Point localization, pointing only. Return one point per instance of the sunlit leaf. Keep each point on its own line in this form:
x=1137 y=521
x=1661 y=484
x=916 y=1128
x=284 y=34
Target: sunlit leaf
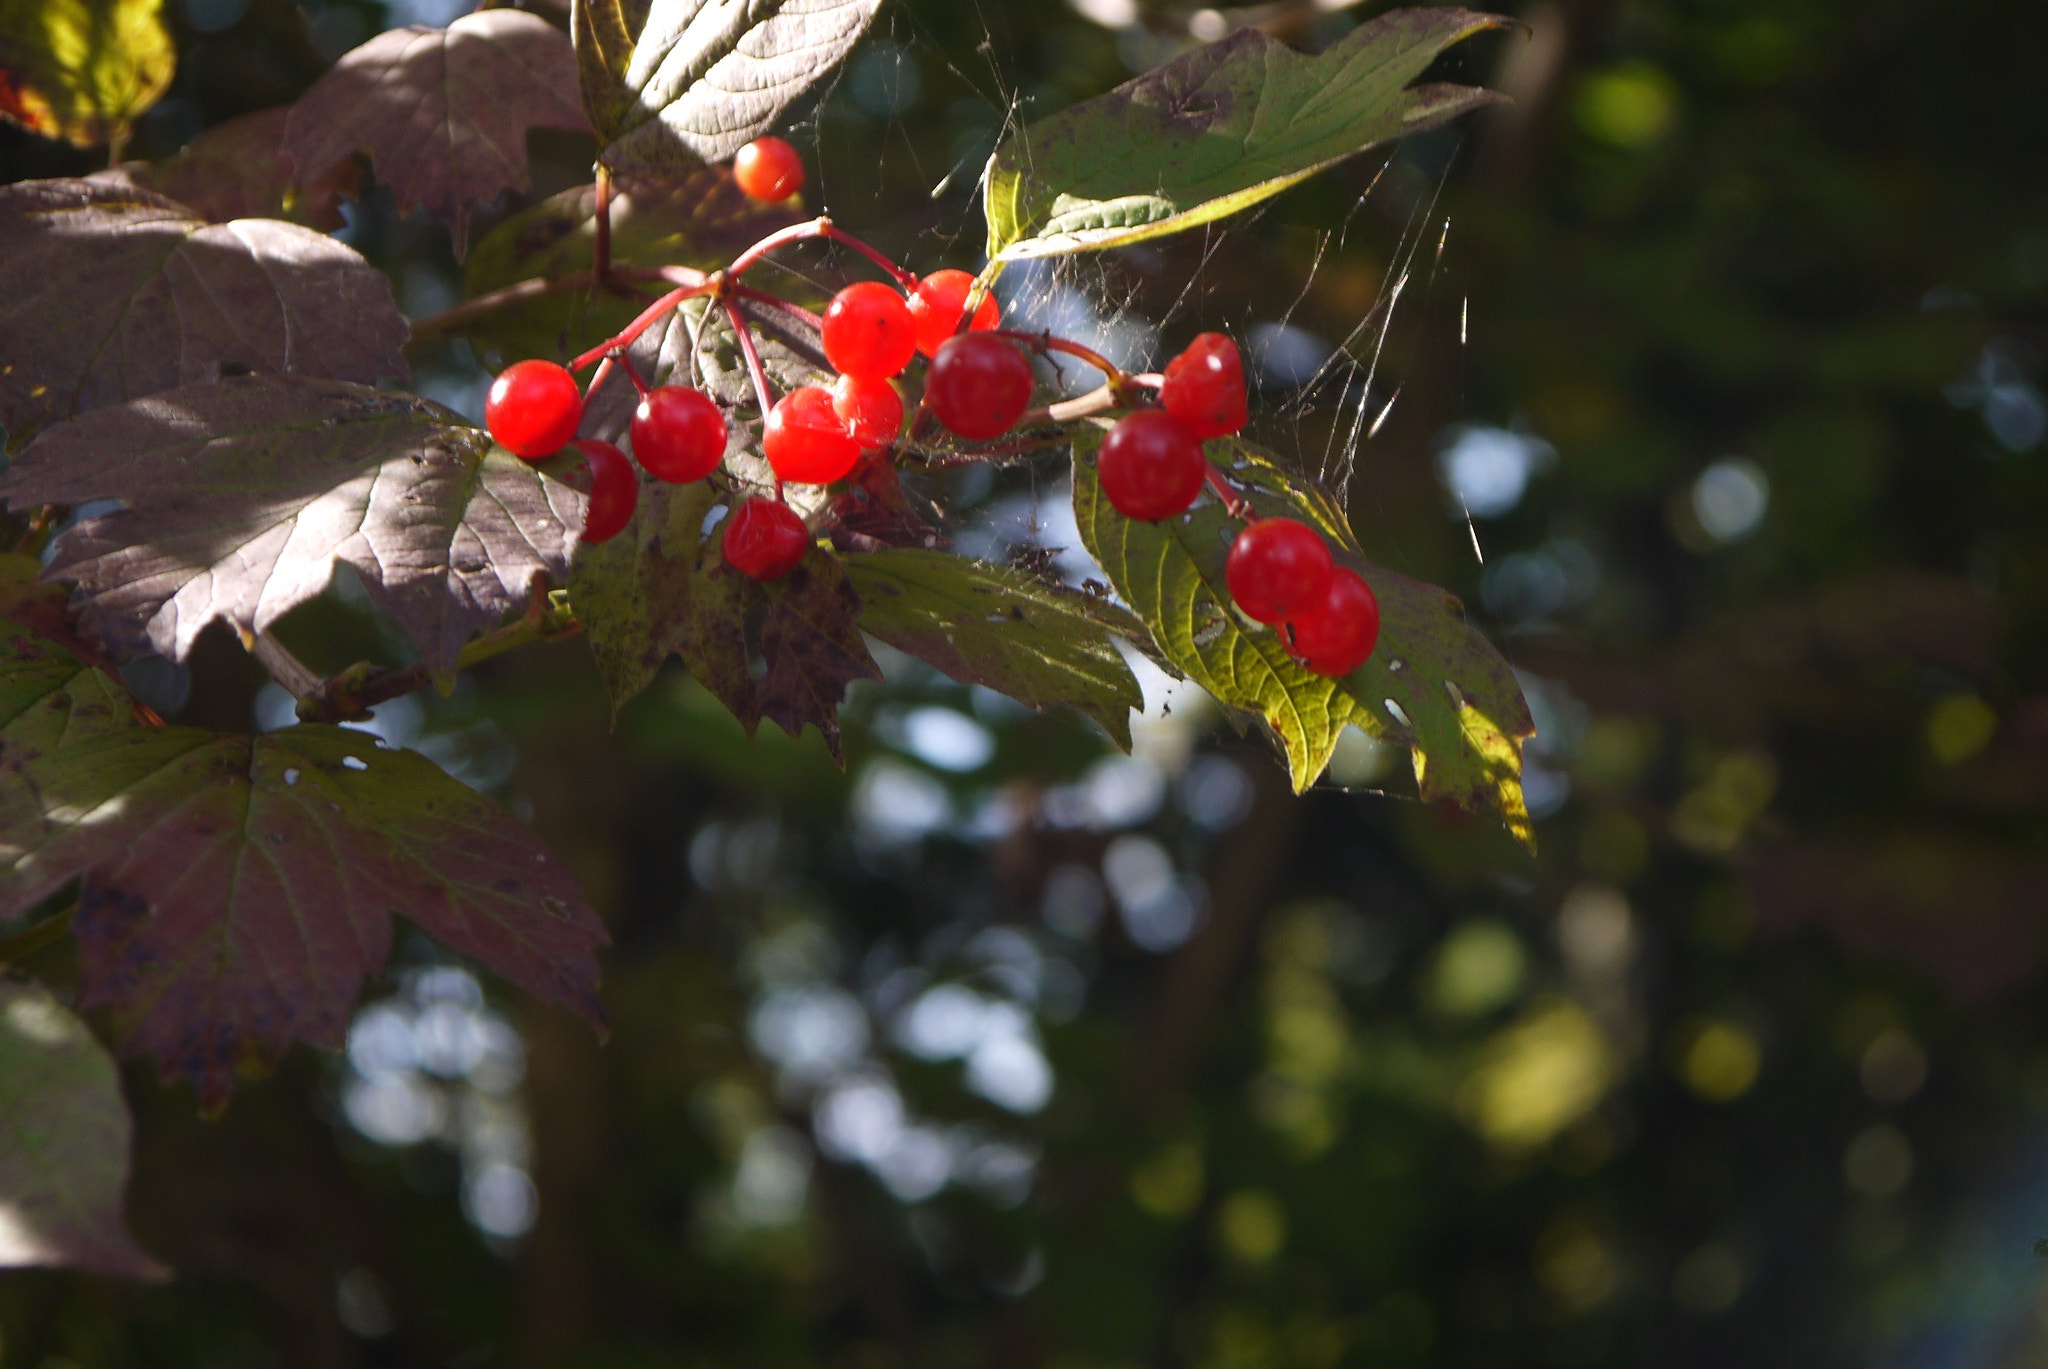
x=64 y=1150
x=49 y=698
x=1040 y=644
x=237 y=170
x=109 y=293
x=673 y=84
x=1433 y=684
x=1217 y=131
x=240 y=497
x=662 y=589
x=83 y=70
x=235 y=890
x=442 y=113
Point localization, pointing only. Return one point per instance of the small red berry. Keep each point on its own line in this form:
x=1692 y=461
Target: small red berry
x=614 y=488
x=868 y=331
x=764 y=540
x=533 y=409
x=938 y=302
x=1336 y=636
x=768 y=169
x=1151 y=467
x=1276 y=567
x=1205 y=386
x=678 y=434
x=978 y=386
x=871 y=410
x=805 y=439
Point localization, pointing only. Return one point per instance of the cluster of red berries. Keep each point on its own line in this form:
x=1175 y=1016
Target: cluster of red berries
x=978 y=385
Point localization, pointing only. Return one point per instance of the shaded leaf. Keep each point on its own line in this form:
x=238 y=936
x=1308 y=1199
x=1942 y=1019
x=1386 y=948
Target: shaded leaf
x=662 y=589
x=1040 y=644
x=240 y=496
x=83 y=70
x=64 y=1151
x=442 y=113
x=49 y=698
x=701 y=220
x=236 y=889
x=238 y=170
x=1217 y=131
x=1433 y=684
x=109 y=294
x=673 y=84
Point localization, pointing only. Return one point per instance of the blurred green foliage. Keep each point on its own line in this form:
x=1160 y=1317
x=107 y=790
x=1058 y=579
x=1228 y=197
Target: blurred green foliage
x=1000 y=1049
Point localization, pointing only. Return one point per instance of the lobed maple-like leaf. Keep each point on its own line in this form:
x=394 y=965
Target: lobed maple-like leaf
x=673 y=84
x=108 y=293
x=237 y=170
x=65 y=1146
x=235 y=890
x=442 y=113
x=662 y=589
x=1041 y=644
x=1433 y=684
x=83 y=70
x=49 y=698
x=239 y=498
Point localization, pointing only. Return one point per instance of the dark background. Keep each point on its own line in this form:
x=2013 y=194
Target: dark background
x=998 y=1049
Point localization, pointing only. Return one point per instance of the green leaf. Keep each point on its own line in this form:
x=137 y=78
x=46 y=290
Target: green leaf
x=235 y=890
x=671 y=85
x=1217 y=131
x=64 y=1150
x=1040 y=644
x=702 y=220
x=661 y=589
x=1433 y=684
x=49 y=698
x=83 y=70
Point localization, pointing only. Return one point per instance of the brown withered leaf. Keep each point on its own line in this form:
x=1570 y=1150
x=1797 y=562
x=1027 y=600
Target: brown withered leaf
x=662 y=589
x=442 y=113
x=235 y=890
x=237 y=170
x=109 y=293
x=239 y=498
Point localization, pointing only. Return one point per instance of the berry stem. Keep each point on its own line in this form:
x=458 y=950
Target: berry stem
x=649 y=316
x=762 y=390
x=1048 y=342
x=601 y=254
x=1234 y=503
x=820 y=227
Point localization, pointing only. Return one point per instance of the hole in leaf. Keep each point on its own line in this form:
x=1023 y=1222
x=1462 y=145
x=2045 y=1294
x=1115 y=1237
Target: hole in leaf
x=355 y=763
x=1400 y=714
x=1457 y=694
x=291 y=777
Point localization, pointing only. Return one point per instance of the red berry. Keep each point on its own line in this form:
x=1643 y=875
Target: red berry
x=768 y=169
x=868 y=332
x=805 y=439
x=1151 y=467
x=1205 y=386
x=1336 y=636
x=978 y=386
x=936 y=306
x=871 y=410
x=614 y=488
x=678 y=434
x=1276 y=567
x=764 y=540
x=533 y=409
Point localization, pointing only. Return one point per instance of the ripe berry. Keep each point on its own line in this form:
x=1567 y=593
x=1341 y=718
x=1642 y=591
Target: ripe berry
x=533 y=409
x=768 y=169
x=871 y=410
x=1336 y=636
x=1276 y=567
x=936 y=306
x=978 y=386
x=1205 y=386
x=764 y=540
x=805 y=439
x=1151 y=467
x=868 y=331
x=678 y=434
x=614 y=488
